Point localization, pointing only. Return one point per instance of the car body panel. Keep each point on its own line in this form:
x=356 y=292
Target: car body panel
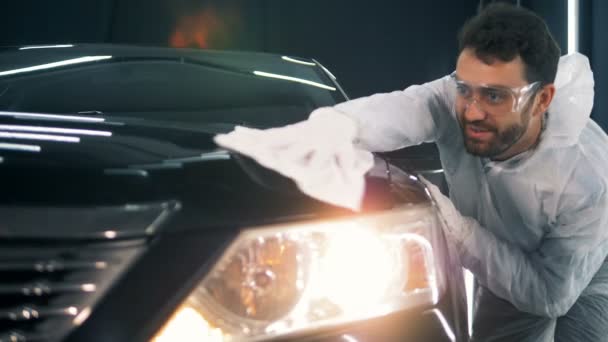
x=125 y=149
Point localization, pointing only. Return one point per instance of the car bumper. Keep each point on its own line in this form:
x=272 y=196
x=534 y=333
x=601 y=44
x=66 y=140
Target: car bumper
x=420 y=326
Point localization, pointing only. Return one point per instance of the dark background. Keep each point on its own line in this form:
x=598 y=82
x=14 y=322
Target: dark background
x=371 y=46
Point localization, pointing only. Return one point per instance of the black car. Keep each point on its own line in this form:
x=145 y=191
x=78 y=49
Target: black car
x=123 y=221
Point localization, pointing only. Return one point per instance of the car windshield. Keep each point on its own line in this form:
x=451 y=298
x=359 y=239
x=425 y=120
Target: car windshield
x=186 y=86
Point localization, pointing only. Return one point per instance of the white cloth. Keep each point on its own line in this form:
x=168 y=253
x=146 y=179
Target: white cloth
x=539 y=238
x=318 y=154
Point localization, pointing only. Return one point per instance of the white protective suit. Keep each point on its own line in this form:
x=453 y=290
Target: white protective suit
x=539 y=240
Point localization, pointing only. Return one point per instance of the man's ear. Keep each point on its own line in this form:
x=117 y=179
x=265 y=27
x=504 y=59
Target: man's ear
x=544 y=98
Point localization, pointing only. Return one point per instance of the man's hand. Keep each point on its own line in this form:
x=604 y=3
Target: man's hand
x=457 y=226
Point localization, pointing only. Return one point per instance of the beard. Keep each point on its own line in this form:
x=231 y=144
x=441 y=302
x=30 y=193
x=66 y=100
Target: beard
x=499 y=142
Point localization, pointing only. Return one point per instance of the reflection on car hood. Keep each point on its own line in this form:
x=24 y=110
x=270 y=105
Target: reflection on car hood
x=97 y=142
x=22 y=60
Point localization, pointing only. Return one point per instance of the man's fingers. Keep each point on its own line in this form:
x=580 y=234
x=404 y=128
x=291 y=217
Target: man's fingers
x=443 y=202
x=435 y=192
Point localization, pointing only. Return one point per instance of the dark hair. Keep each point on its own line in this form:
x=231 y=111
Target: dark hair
x=504 y=31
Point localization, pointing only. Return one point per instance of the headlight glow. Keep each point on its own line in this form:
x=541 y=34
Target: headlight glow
x=355 y=262
x=189 y=325
x=294 y=279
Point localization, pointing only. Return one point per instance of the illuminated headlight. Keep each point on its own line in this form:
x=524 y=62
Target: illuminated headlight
x=293 y=279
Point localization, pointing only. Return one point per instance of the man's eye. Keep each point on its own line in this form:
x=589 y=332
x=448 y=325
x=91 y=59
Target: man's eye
x=463 y=90
x=494 y=96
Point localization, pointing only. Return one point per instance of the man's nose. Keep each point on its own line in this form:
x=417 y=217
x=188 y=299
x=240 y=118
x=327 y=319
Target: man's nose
x=473 y=112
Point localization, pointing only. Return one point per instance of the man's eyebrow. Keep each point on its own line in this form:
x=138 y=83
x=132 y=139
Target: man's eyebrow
x=488 y=85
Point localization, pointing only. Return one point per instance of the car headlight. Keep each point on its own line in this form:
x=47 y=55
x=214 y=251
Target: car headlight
x=291 y=279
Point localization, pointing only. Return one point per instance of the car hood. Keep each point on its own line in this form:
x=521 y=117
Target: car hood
x=91 y=160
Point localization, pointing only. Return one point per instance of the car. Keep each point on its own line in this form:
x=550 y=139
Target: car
x=122 y=220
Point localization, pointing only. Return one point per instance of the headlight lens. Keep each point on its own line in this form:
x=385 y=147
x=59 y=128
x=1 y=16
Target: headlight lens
x=280 y=280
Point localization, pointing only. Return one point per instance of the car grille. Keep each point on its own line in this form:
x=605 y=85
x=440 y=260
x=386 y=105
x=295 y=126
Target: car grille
x=49 y=286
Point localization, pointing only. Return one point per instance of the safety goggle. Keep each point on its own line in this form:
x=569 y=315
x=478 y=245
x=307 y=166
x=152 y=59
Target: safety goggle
x=494 y=99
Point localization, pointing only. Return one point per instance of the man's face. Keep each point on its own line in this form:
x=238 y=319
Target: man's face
x=489 y=131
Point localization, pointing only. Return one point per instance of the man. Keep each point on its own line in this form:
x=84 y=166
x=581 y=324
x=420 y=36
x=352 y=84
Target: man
x=526 y=168
x=528 y=183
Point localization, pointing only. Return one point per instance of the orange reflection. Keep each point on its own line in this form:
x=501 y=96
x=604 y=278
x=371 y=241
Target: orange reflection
x=261 y=281
x=203 y=28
